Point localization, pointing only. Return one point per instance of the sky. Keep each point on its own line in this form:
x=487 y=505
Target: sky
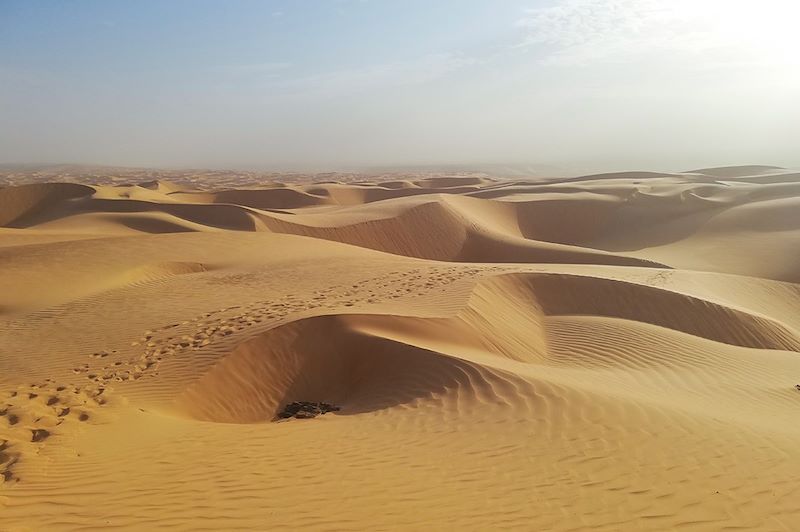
x=567 y=85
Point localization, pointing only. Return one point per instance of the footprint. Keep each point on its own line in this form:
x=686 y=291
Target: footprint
x=38 y=435
x=7 y=460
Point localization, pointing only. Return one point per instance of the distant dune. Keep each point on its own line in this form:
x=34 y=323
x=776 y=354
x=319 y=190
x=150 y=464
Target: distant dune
x=614 y=351
x=738 y=171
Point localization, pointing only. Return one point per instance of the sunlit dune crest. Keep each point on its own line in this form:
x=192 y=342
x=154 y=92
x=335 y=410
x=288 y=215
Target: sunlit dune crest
x=405 y=351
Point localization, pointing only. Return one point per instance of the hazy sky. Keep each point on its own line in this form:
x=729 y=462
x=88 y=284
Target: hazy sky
x=581 y=84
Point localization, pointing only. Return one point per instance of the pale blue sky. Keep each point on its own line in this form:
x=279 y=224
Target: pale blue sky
x=580 y=84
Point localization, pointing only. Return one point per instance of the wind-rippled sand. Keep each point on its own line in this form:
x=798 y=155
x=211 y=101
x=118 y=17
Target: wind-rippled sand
x=616 y=352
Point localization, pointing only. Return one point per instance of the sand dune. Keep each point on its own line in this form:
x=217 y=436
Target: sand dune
x=738 y=171
x=615 y=351
x=28 y=200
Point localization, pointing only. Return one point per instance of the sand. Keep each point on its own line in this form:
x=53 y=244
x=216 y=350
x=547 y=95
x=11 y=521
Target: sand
x=617 y=351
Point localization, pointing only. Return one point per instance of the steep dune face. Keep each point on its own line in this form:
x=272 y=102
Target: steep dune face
x=16 y=203
x=365 y=363
x=451 y=228
x=616 y=351
x=153 y=217
x=275 y=198
x=327 y=359
x=577 y=295
x=426 y=231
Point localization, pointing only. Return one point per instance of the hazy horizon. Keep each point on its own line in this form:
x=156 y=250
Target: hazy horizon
x=575 y=86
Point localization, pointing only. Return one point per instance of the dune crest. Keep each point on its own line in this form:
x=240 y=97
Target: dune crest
x=614 y=351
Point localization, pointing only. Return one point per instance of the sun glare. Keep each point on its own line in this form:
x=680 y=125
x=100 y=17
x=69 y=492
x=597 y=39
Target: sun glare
x=764 y=33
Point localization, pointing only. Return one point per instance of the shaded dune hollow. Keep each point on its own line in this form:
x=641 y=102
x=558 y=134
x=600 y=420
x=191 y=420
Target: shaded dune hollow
x=369 y=362
x=326 y=359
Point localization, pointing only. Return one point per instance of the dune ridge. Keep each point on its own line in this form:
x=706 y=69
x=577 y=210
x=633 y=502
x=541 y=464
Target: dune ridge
x=615 y=351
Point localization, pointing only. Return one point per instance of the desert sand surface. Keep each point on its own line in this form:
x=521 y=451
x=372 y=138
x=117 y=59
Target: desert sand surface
x=615 y=351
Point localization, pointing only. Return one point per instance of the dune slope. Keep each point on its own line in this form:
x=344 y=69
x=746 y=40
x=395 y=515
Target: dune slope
x=616 y=351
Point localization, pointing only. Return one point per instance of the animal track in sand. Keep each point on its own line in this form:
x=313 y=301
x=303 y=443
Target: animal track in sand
x=32 y=413
x=8 y=459
x=32 y=417
x=212 y=326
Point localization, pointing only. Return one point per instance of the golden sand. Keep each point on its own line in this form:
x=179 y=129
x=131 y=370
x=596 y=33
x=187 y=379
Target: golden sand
x=617 y=352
